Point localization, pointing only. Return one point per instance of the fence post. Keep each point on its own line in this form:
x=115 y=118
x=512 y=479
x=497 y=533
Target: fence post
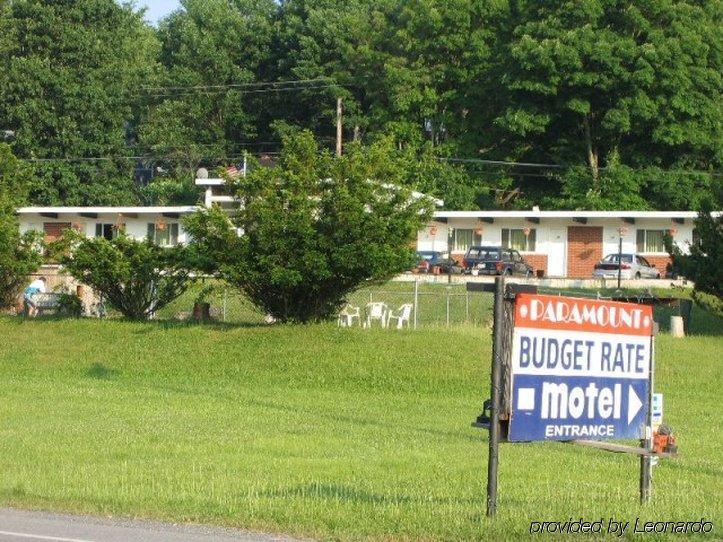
x=224 y=304
x=466 y=306
x=416 y=301
x=447 y=306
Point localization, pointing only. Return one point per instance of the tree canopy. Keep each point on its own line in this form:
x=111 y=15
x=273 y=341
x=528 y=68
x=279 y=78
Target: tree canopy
x=619 y=87
x=594 y=104
x=68 y=90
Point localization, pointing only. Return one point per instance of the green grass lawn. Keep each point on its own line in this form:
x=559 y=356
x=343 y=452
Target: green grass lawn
x=318 y=431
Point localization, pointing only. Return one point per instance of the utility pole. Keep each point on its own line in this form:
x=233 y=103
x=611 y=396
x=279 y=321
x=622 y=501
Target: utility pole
x=338 y=126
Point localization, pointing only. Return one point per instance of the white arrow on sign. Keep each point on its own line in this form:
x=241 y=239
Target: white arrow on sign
x=634 y=404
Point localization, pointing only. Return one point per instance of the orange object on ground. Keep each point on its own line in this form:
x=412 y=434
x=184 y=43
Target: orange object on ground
x=664 y=441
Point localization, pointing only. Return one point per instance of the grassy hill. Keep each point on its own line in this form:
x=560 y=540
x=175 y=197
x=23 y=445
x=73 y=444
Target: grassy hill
x=318 y=431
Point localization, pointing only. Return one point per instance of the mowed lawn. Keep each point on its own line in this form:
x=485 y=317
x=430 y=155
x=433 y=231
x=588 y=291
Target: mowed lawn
x=318 y=431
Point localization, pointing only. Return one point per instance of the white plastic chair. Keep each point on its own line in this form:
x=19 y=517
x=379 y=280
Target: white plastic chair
x=376 y=311
x=347 y=315
x=402 y=316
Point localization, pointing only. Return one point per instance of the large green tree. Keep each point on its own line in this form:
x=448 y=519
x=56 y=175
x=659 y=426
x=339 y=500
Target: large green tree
x=71 y=72
x=609 y=83
x=413 y=69
x=204 y=110
x=313 y=229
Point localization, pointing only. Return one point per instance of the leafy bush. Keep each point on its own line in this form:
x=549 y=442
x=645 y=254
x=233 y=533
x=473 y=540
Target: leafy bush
x=704 y=264
x=711 y=303
x=70 y=305
x=315 y=228
x=135 y=277
x=19 y=253
x=19 y=257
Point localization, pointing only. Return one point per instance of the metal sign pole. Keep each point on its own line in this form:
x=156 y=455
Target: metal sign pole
x=646 y=461
x=494 y=441
x=620 y=258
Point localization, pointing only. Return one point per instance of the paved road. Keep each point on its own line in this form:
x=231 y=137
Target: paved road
x=26 y=526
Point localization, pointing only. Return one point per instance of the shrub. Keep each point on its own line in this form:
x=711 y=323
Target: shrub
x=711 y=303
x=136 y=277
x=19 y=257
x=19 y=253
x=70 y=305
x=704 y=262
x=315 y=228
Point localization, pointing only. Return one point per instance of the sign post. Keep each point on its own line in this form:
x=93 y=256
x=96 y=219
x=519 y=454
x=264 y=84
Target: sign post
x=574 y=370
x=494 y=442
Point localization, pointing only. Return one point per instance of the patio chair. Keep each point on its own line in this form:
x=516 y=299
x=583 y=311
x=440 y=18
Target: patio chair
x=376 y=311
x=347 y=315
x=402 y=316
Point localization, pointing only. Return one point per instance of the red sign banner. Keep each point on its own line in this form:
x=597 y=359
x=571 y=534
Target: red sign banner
x=578 y=314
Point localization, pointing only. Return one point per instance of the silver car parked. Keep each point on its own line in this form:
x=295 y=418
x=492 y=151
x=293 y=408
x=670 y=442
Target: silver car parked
x=633 y=266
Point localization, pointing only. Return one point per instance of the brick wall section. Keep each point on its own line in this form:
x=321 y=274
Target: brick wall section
x=660 y=262
x=584 y=250
x=537 y=261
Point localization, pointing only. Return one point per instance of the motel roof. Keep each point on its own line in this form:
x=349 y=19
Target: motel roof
x=438 y=215
x=537 y=214
x=174 y=210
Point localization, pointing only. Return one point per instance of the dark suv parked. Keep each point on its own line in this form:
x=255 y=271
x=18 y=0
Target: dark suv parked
x=496 y=261
x=429 y=259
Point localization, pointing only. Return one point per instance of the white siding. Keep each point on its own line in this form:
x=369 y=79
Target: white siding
x=551 y=235
x=427 y=241
x=134 y=227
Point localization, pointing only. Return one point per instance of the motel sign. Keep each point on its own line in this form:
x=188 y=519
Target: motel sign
x=580 y=369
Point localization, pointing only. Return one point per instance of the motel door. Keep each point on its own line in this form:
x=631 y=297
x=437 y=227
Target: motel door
x=556 y=252
x=584 y=250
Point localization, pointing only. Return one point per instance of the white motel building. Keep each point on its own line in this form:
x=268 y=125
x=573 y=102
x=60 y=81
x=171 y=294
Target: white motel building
x=555 y=243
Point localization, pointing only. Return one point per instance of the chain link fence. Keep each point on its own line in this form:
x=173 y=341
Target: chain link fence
x=433 y=304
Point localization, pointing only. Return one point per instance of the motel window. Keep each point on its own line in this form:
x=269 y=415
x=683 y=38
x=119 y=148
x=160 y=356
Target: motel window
x=460 y=239
x=516 y=239
x=651 y=240
x=108 y=231
x=164 y=235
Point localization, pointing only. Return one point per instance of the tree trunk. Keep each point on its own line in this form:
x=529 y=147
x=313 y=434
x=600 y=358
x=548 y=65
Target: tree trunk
x=592 y=153
x=202 y=312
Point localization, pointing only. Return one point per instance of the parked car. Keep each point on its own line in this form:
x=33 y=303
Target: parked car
x=496 y=261
x=429 y=259
x=633 y=266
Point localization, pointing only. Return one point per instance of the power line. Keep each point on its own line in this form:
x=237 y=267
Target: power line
x=147 y=157
x=511 y=163
x=244 y=85
x=502 y=163
x=276 y=152
x=210 y=92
